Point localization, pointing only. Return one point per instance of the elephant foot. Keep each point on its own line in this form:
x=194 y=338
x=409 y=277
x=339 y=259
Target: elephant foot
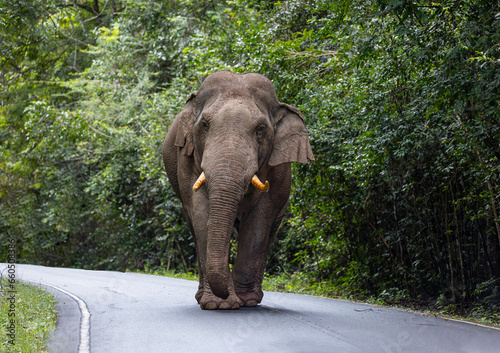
x=251 y=298
x=209 y=301
x=199 y=294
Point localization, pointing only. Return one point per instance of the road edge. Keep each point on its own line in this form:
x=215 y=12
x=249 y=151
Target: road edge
x=84 y=337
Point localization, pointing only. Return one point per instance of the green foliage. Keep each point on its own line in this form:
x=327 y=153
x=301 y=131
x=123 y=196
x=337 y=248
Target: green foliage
x=400 y=99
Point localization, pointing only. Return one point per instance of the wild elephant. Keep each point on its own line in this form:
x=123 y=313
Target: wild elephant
x=232 y=135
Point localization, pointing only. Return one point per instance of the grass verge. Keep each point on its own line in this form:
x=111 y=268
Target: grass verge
x=34 y=314
x=192 y=276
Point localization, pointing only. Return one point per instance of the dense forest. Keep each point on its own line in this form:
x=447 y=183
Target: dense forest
x=401 y=99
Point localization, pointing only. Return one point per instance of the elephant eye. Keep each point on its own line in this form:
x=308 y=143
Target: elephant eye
x=261 y=132
x=204 y=125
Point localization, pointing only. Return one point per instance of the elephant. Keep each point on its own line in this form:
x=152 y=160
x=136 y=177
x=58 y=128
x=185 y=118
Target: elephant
x=232 y=134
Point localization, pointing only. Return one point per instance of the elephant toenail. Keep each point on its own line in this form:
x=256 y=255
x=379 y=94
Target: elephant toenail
x=251 y=302
x=210 y=306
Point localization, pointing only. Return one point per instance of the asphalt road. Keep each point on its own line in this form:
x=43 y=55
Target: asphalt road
x=102 y=311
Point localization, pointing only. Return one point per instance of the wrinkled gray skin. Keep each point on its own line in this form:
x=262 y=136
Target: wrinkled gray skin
x=232 y=128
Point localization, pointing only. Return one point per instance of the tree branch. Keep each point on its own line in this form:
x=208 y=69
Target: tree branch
x=80 y=18
x=99 y=14
x=83 y=7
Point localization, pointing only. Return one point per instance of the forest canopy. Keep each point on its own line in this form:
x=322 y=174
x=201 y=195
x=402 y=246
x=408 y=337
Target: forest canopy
x=400 y=99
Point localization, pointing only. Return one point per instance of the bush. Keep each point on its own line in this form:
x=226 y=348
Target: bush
x=399 y=98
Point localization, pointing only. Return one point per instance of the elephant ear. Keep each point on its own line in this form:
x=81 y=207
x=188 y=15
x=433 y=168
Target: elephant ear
x=291 y=143
x=184 y=136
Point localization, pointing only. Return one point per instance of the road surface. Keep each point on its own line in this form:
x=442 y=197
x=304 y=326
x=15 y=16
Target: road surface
x=103 y=311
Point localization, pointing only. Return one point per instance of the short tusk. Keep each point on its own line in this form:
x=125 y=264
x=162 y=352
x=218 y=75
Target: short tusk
x=258 y=184
x=199 y=182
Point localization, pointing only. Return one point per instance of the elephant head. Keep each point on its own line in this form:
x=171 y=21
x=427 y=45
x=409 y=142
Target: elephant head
x=235 y=130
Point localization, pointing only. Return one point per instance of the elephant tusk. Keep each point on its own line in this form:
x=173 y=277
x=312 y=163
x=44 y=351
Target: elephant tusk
x=258 y=184
x=199 y=182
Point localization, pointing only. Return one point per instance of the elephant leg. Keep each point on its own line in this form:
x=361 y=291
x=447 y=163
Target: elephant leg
x=200 y=258
x=197 y=218
x=255 y=237
x=256 y=234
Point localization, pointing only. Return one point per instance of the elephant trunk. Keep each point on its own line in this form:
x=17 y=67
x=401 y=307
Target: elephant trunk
x=225 y=194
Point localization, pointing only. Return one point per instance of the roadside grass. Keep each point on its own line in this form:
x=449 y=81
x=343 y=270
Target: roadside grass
x=191 y=275
x=303 y=283
x=35 y=315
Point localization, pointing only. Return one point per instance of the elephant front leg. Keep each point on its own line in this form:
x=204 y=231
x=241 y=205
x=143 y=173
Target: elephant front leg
x=255 y=237
x=197 y=218
x=248 y=269
x=208 y=301
x=205 y=296
x=200 y=245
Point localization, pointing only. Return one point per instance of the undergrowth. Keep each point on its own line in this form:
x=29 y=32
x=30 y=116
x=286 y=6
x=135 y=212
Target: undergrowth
x=301 y=283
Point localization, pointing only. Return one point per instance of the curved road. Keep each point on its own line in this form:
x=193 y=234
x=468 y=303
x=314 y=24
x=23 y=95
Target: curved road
x=102 y=311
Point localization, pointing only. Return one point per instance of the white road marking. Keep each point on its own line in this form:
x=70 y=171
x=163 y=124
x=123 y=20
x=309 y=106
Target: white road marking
x=84 y=346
